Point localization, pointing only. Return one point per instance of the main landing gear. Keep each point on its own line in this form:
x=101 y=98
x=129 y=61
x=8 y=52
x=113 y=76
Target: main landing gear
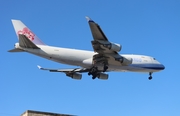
x=94 y=71
x=150 y=76
x=105 y=68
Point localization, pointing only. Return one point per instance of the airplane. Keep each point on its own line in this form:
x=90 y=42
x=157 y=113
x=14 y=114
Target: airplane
x=97 y=63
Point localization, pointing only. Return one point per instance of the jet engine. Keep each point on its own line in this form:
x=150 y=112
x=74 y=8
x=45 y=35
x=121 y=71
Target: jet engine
x=76 y=76
x=124 y=60
x=113 y=46
x=103 y=76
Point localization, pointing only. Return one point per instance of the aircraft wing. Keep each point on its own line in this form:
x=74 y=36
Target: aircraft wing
x=80 y=70
x=100 y=43
x=106 y=50
x=73 y=73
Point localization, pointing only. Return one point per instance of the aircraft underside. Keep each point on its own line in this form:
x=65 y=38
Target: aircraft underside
x=98 y=70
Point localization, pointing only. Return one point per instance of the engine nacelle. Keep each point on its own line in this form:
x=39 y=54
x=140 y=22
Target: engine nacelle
x=124 y=60
x=113 y=46
x=103 y=76
x=76 y=76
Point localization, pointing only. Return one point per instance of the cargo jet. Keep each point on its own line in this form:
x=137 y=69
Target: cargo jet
x=97 y=63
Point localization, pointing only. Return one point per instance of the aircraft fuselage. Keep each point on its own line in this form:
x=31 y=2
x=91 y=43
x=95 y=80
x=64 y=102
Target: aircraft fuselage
x=83 y=58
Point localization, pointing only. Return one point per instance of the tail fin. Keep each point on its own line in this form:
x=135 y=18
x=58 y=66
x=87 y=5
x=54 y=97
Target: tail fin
x=22 y=29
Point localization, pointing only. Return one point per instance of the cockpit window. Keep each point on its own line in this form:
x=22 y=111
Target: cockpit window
x=154 y=58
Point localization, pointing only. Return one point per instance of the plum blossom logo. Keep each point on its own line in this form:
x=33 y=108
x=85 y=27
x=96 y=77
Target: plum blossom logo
x=28 y=33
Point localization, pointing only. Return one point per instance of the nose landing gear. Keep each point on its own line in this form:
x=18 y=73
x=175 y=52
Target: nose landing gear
x=150 y=76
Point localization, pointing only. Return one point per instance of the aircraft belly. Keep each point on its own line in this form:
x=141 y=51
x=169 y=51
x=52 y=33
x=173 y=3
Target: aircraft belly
x=129 y=68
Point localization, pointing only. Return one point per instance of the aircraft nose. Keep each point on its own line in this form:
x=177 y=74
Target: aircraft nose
x=162 y=67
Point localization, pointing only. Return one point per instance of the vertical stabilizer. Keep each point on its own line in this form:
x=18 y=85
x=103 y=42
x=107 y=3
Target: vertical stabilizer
x=22 y=29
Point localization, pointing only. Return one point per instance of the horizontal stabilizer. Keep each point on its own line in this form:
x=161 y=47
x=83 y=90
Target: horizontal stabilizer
x=26 y=43
x=16 y=50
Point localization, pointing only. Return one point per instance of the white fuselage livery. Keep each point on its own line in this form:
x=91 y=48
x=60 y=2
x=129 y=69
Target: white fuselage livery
x=83 y=58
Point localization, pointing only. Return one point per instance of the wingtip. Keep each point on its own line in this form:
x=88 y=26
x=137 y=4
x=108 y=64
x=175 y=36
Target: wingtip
x=89 y=19
x=39 y=67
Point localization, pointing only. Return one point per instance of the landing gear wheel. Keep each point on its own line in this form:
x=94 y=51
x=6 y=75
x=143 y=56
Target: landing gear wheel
x=150 y=75
x=150 y=78
x=93 y=77
x=89 y=73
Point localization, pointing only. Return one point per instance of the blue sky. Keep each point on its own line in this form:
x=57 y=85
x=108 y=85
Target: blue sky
x=149 y=27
